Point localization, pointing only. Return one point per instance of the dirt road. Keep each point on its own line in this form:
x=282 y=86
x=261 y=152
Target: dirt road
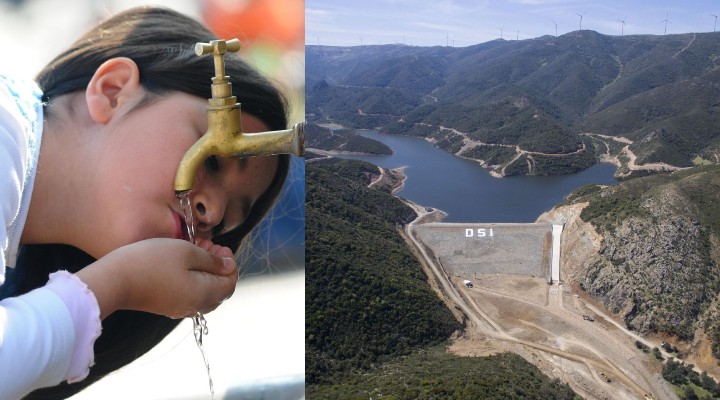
x=539 y=321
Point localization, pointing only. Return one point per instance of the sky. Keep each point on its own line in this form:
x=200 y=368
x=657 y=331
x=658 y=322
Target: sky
x=462 y=23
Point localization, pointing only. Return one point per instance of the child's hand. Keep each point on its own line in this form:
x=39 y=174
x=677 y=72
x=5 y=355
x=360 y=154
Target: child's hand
x=170 y=277
x=214 y=248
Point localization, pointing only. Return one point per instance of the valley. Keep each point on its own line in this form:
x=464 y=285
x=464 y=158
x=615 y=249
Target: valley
x=635 y=312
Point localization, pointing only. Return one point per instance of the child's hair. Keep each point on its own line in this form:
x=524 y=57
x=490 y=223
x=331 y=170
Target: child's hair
x=161 y=42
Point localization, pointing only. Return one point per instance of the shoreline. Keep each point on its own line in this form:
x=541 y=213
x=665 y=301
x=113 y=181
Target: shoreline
x=396 y=178
x=424 y=214
x=403 y=178
x=492 y=169
x=331 y=153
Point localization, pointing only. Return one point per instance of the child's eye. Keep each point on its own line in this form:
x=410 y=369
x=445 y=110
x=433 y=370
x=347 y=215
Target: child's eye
x=212 y=163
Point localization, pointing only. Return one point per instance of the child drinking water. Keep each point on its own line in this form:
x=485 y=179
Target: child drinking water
x=95 y=269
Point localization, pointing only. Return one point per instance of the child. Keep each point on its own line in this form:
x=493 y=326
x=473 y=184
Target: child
x=87 y=162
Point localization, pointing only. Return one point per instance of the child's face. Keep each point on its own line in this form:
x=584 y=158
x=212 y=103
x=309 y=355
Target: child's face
x=137 y=171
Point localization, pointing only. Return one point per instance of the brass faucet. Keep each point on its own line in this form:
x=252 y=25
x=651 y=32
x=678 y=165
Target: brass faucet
x=224 y=136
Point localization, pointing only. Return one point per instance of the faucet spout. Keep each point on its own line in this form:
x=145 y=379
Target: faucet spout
x=288 y=141
x=224 y=136
x=225 y=143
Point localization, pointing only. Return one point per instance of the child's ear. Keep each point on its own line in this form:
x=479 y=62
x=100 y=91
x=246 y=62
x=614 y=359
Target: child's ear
x=115 y=83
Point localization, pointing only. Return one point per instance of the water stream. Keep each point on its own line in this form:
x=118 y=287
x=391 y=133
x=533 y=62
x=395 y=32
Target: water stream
x=199 y=323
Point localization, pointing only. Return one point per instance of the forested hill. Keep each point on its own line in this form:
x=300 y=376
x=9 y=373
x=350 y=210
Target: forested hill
x=344 y=140
x=531 y=98
x=366 y=296
x=374 y=327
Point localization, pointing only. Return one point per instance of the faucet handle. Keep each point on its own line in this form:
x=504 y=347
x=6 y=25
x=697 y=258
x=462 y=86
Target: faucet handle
x=217 y=47
x=221 y=87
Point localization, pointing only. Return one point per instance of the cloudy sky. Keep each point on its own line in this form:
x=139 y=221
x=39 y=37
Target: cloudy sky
x=467 y=22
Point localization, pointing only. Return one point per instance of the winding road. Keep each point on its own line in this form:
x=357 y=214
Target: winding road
x=605 y=353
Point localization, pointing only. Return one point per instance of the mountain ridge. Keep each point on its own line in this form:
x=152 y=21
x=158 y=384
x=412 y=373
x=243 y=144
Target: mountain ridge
x=659 y=92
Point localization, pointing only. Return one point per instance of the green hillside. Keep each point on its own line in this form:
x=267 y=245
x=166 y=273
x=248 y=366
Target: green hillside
x=348 y=140
x=432 y=373
x=661 y=92
x=366 y=296
x=373 y=325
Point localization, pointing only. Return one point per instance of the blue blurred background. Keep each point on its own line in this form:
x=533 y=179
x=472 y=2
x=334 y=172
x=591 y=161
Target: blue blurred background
x=280 y=241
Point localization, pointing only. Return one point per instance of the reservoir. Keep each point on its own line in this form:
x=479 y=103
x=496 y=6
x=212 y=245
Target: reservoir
x=466 y=191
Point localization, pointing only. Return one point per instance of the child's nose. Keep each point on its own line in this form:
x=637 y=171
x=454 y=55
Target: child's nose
x=208 y=211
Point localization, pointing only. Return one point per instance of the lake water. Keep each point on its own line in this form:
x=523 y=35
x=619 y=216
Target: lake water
x=467 y=192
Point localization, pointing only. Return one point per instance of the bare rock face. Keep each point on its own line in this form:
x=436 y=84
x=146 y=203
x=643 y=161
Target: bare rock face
x=653 y=267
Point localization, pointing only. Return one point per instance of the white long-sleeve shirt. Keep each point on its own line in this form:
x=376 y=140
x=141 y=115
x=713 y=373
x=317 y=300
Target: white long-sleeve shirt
x=47 y=335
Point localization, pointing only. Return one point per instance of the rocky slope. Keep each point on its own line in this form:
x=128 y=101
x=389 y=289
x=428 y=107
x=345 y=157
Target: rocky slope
x=648 y=250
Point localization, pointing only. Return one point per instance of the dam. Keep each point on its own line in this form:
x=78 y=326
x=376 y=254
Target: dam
x=471 y=249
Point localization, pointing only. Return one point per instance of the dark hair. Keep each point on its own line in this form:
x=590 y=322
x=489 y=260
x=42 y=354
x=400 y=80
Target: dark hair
x=161 y=42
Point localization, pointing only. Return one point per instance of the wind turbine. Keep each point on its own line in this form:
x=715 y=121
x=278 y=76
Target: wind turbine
x=555 y=28
x=517 y=37
x=622 y=30
x=666 y=20
x=714 y=26
x=580 y=21
x=501 y=33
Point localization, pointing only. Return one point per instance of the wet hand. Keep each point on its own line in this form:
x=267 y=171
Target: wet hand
x=163 y=276
x=213 y=248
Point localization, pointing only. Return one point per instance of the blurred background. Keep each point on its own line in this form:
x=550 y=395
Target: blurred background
x=256 y=341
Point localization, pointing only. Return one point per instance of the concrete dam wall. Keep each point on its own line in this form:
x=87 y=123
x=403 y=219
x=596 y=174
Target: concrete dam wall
x=468 y=249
